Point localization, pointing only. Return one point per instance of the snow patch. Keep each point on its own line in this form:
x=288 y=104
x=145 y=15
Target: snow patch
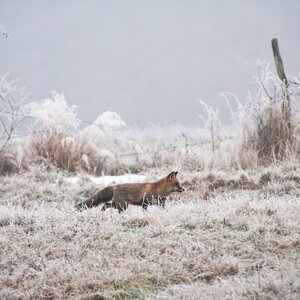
x=108 y=180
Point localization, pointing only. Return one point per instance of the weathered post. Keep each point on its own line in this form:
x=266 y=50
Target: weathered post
x=286 y=105
x=278 y=61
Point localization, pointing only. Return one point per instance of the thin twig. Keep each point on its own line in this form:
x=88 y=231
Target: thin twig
x=294 y=82
x=265 y=89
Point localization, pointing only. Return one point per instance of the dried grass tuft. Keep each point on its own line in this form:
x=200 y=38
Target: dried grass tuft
x=136 y=222
x=268 y=122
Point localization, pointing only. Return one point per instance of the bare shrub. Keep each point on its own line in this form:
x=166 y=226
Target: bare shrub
x=213 y=125
x=13 y=117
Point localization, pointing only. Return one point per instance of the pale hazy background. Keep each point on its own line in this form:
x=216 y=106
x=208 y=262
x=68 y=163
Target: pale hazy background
x=149 y=61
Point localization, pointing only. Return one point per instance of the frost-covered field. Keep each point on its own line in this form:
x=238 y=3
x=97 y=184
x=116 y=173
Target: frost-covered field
x=229 y=236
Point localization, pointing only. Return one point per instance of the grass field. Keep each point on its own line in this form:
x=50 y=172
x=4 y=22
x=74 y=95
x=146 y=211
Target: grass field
x=229 y=236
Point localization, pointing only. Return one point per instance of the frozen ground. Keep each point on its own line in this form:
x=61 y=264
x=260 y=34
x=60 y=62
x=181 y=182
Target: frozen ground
x=229 y=236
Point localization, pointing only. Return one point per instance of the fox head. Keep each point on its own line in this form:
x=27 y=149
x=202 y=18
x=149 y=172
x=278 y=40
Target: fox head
x=173 y=183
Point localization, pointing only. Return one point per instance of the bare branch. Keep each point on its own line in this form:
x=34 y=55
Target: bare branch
x=265 y=89
x=4 y=127
x=294 y=82
x=4 y=31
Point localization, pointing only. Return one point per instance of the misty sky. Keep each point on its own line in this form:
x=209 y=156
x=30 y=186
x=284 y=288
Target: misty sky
x=149 y=61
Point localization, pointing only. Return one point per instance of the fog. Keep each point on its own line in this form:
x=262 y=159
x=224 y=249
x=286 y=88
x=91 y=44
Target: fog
x=149 y=61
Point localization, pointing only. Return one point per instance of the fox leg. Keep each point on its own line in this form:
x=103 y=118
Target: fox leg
x=162 y=202
x=120 y=206
x=145 y=205
x=107 y=205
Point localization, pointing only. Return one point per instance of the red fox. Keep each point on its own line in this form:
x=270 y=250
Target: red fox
x=143 y=194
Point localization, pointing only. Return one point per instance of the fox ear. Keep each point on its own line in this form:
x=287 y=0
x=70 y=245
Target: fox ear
x=176 y=173
x=171 y=175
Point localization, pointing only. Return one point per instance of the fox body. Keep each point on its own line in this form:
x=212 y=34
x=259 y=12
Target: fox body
x=143 y=194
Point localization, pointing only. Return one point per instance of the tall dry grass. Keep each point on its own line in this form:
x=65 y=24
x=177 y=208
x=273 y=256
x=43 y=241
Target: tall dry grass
x=74 y=154
x=268 y=122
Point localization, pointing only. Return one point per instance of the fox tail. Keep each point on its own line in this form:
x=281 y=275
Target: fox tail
x=100 y=197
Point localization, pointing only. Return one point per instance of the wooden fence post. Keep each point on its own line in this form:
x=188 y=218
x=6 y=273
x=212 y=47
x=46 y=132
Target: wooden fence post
x=286 y=105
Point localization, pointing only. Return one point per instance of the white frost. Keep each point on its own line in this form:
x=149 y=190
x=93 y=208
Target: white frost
x=108 y=180
x=107 y=121
x=110 y=120
x=106 y=155
x=55 y=114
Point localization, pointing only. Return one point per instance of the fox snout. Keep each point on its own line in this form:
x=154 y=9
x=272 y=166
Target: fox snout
x=180 y=189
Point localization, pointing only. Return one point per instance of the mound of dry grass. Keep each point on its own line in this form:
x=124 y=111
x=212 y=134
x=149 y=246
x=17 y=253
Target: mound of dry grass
x=273 y=138
x=8 y=163
x=209 y=184
x=59 y=150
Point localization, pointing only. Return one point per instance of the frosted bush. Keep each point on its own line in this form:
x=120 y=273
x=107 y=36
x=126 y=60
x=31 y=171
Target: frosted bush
x=110 y=120
x=134 y=146
x=107 y=121
x=91 y=132
x=55 y=115
x=53 y=143
x=106 y=155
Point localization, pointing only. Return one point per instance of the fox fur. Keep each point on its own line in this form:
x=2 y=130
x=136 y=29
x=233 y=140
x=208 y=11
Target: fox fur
x=142 y=194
